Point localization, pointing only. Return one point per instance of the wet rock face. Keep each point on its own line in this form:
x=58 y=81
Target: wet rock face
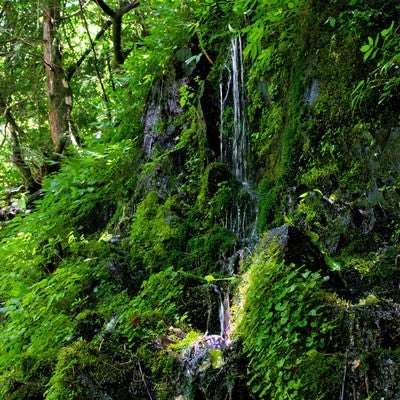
x=162 y=107
x=197 y=357
x=297 y=248
x=213 y=368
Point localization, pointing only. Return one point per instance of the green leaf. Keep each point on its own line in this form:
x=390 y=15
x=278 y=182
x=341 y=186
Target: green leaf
x=365 y=48
x=367 y=54
x=331 y=21
x=386 y=32
x=195 y=58
x=231 y=29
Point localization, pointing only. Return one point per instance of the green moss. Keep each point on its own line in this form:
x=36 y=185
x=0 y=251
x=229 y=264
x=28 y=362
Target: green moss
x=155 y=233
x=85 y=371
x=270 y=212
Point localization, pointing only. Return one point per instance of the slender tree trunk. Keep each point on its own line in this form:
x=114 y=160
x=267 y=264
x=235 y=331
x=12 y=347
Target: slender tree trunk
x=30 y=183
x=58 y=90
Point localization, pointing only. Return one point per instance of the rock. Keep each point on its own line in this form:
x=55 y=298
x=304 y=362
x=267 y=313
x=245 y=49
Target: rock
x=296 y=248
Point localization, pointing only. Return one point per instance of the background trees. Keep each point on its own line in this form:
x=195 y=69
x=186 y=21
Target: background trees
x=72 y=44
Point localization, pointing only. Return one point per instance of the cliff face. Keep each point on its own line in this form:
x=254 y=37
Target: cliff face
x=296 y=129
x=245 y=244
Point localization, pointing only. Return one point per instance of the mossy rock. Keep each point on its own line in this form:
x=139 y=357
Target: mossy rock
x=292 y=246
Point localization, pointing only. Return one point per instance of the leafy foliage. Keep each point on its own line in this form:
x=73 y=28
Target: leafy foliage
x=284 y=331
x=384 y=79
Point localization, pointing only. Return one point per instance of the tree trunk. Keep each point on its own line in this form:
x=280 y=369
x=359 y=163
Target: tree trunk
x=58 y=90
x=30 y=183
x=116 y=17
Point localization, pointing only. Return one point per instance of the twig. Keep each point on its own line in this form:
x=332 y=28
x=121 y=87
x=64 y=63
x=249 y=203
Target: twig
x=77 y=11
x=344 y=376
x=144 y=381
x=203 y=50
x=96 y=67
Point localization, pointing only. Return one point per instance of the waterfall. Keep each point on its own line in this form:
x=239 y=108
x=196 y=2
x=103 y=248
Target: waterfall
x=223 y=311
x=222 y=101
x=233 y=141
x=239 y=133
x=233 y=144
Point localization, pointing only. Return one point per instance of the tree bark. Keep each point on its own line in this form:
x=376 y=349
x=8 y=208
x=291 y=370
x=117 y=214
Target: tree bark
x=58 y=90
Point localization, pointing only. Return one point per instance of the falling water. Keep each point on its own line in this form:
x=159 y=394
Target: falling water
x=223 y=311
x=239 y=134
x=234 y=146
x=223 y=97
x=311 y=93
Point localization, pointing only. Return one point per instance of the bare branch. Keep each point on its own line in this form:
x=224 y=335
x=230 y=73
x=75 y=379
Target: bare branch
x=127 y=8
x=17 y=157
x=4 y=9
x=106 y=8
x=95 y=61
x=76 y=12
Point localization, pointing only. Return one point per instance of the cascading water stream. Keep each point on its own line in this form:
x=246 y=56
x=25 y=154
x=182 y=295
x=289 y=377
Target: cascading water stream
x=234 y=151
x=239 y=133
x=223 y=97
x=234 y=145
x=240 y=217
x=223 y=311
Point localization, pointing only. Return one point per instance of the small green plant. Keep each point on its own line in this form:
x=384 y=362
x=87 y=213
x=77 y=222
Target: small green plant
x=384 y=49
x=282 y=324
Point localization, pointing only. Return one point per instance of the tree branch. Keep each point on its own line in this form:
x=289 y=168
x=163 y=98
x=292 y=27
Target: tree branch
x=105 y=8
x=117 y=39
x=4 y=9
x=77 y=11
x=96 y=63
x=127 y=8
x=116 y=17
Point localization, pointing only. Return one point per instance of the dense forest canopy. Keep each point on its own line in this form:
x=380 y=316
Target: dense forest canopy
x=199 y=199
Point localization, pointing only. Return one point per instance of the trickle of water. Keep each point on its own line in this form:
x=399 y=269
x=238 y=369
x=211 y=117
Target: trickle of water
x=239 y=134
x=234 y=145
x=223 y=97
x=223 y=311
x=312 y=92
